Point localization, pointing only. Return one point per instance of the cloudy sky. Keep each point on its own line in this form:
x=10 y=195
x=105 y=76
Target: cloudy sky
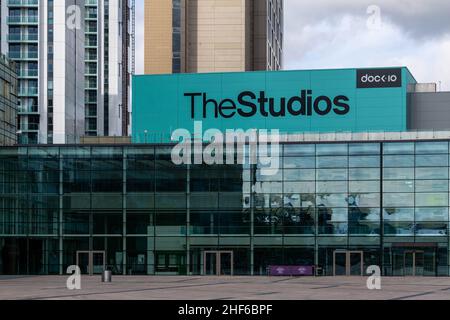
x=361 y=33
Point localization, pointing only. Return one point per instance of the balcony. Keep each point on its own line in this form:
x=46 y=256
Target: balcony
x=90 y=44
x=90 y=100
x=28 y=73
x=23 y=3
x=28 y=92
x=90 y=87
x=31 y=37
x=90 y=57
x=90 y=3
x=90 y=72
x=23 y=20
x=91 y=30
x=29 y=127
x=90 y=16
x=18 y=55
x=33 y=109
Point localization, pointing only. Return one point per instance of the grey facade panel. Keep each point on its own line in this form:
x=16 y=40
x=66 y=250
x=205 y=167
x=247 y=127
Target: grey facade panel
x=429 y=111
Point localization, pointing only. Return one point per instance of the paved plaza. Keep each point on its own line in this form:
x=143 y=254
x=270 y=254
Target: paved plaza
x=222 y=288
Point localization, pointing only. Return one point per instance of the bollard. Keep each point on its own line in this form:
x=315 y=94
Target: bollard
x=107 y=276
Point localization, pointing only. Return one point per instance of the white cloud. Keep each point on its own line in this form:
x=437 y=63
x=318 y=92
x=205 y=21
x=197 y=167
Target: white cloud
x=344 y=40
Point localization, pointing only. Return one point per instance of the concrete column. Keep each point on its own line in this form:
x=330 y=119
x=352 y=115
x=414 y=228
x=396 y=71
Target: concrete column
x=188 y=219
x=61 y=203
x=124 y=212
x=252 y=223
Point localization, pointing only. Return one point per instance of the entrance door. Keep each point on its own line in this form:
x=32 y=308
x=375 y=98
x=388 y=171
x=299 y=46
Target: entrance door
x=348 y=263
x=91 y=262
x=218 y=263
x=413 y=262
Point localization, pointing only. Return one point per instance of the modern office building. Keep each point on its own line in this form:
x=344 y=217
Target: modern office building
x=69 y=60
x=195 y=36
x=8 y=102
x=373 y=192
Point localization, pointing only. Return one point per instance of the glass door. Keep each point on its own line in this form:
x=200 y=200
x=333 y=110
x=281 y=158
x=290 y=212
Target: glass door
x=226 y=263
x=210 y=263
x=355 y=263
x=429 y=263
x=83 y=261
x=218 y=263
x=340 y=263
x=411 y=263
x=414 y=263
x=398 y=264
x=348 y=263
x=408 y=264
x=91 y=262
x=419 y=263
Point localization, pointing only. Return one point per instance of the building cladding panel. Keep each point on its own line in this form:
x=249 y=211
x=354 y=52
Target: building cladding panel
x=8 y=102
x=60 y=35
x=279 y=100
x=387 y=200
x=429 y=111
x=216 y=36
x=158 y=36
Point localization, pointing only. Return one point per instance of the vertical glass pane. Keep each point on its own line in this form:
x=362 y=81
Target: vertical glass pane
x=409 y=263
x=340 y=263
x=225 y=264
x=211 y=264
x=97 y=262
x=398 y=260
x=398 y=148
x=419 y=263
x=355 y=263
x=429 y=263
x=83 y=262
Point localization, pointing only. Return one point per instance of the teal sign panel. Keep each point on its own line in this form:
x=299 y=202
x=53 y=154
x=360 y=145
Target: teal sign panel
x=340 y=100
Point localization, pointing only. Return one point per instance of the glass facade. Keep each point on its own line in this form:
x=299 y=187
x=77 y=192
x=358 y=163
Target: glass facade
x=8 y=102
x=275 y=25
x=337 y=206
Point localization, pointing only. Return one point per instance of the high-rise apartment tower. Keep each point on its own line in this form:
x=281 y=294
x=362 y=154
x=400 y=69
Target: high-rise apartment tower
x=213 y=35
x=71 y=67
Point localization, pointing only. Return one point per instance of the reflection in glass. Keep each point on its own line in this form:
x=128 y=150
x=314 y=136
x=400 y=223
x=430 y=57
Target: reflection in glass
x=431 y=173
x=364 y=148
x=398 y=148
x=431 y=199
x=398 y=161
x=364 y=162
x=398 y=173
x=364 y=174
x=398 y=199
x=440 y=160
x=398 y=214
x=332 y=174
x=431 y=147
x=398 y=186
x=432 y=214
x=299 y=162
x=332 y=162
x=336 y=149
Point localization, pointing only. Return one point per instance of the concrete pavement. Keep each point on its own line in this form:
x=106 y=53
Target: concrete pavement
x=223 y=288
